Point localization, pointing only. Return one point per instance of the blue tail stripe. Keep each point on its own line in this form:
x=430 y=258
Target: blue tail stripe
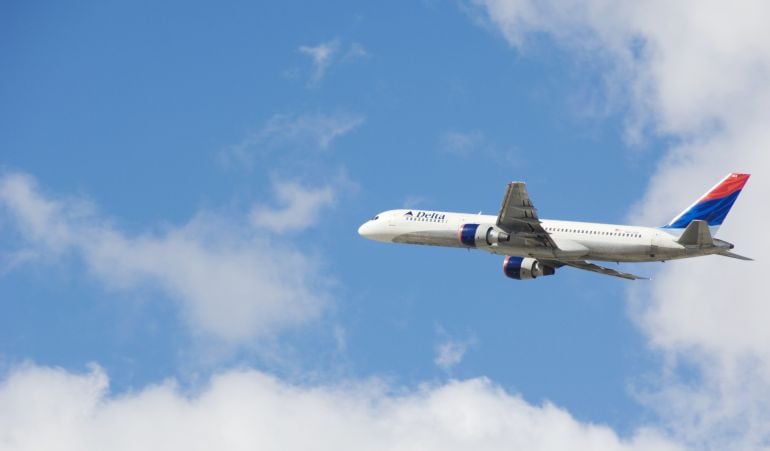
x=712 y=211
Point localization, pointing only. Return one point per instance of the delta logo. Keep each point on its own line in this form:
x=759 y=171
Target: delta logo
x=424 y=215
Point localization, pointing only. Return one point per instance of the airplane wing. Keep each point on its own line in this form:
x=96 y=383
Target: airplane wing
x=519 y=217
x=595 y=268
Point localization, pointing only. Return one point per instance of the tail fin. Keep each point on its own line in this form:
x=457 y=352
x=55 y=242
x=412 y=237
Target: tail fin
x=713 y=206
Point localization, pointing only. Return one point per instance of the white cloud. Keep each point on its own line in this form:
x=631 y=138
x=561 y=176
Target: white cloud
x=230 y=283
x=474 y=144
x=324 y=54
x=298 y=131
x=462 y=143
x=13 y=259
x=340 y=336
x=47 y=408
x=698 y=71
x=301 y=207
x=356 y=50
x=321 y=56
x=319 y=129
x=450 y=353
x=413 y=201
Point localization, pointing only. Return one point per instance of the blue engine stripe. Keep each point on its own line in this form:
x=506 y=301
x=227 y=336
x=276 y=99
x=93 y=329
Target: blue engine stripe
x=712 y=211
x=468 y=234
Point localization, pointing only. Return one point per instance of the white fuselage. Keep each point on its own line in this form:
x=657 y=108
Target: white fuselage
x=574 y=240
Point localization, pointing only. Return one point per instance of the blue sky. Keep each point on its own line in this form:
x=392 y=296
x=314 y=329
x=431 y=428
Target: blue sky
x=149 y=137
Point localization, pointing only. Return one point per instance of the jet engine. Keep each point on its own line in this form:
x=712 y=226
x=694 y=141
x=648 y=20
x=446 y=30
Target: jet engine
x=481 y=235
x=521 y=268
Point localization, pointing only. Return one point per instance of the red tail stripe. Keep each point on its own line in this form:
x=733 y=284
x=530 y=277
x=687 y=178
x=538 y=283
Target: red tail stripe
x=731 y=184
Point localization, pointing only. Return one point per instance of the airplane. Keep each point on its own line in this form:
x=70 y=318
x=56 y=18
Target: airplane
x=535 y=247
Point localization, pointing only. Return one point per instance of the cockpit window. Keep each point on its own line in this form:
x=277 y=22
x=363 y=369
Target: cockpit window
x=376 y=218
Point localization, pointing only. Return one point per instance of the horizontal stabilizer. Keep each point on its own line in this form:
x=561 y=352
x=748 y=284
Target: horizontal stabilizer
x=696 y=234
x=734 y=255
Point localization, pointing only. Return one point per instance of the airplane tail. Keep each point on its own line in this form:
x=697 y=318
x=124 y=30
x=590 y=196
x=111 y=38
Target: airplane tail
x=713 y=206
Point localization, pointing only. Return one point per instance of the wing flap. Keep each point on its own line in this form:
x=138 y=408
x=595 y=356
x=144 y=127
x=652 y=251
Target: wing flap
x=586 y=266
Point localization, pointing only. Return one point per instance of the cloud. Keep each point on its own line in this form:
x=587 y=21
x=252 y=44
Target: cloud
x=356 y=50
x=319 y=129
x=301 y=207
x=230 y=283
x=413 y=201
x=324 y=54
x=461 y=143
x=297 y=131
x=696 y=71
x=49 y=408
x=321 y=57
x=451 y=352
x=473 y=144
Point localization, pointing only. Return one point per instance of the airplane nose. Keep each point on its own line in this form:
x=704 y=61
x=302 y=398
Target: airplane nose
x=373 y=230
x=364 y=229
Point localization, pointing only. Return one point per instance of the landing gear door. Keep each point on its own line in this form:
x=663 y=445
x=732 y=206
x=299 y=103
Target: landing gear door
x=653 y=246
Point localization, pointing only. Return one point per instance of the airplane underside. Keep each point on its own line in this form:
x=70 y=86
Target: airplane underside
x=607 y=253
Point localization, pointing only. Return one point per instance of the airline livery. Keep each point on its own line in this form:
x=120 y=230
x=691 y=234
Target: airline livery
x=536 y=247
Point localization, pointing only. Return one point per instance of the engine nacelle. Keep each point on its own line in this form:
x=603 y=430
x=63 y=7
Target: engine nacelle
x=481 y=235
x=521 y=268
